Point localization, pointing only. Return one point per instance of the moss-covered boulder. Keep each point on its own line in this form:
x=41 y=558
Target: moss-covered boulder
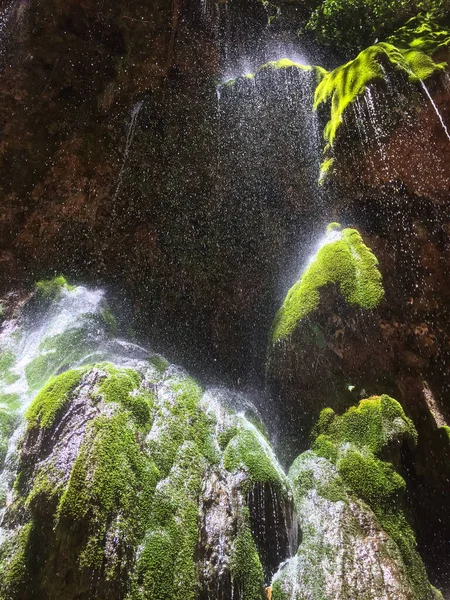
x=343 y=260
x=357 y=541
x=121 y=475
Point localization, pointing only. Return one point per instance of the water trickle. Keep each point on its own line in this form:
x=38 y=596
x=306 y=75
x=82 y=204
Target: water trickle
x=130 y=136
x=436 y=109
x=11 y=17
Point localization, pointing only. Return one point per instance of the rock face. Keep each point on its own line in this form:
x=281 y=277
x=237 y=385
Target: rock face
x=122 y=164
x=340 y=352
x=112 y=138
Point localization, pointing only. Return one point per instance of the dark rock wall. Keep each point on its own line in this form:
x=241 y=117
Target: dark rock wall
x=117 y=166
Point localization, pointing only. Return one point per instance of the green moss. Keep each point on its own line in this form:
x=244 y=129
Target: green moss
x=343 y=85
x=325 y=169
x=56 y=353
x=128 y=511
x=10 y=402
x=8 y=422
x=121 y=386
x=284 y=63
x=422 y=32
x=50 y=289
x=437 y=594
x=383 y=489
x=14 y=558
x=277 y=65
x=47 y=486
x=110 y=476
x=346 y=262
x=109 y=321
x=52 y=398
x=355 y=442
x=181 y=419
x=372 y=425
x=225 y=437
x=245 y=566
x=249 y=451
x=324 y=447
x=166 y=568
x=7 y=362
x=446 y=430
x=159 y=362
x=304 y=476
x=374 y=481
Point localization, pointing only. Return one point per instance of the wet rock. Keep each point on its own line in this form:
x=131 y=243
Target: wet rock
x=351 y=506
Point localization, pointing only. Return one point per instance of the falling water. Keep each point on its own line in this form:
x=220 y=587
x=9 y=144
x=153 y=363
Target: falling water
x=10 y=17
x=73 y=330
x=130 y=136
x=436 y=110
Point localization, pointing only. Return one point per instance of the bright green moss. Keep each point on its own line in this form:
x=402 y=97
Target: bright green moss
x=181 y=445
x=226 y=436
x=278 y=65
x=8 y=422
x=423 y=33
x=374 y=481
x=109 y=320
x=304 y=476
x=52 y=398
x=343 y=85
x=372 y=425
x=50 y=289
x=9 y=402
x=55 y=354
x=47 y=486
x=14 y=557
x=166 y=568
x=355 y=442
x=181 y=419
x=110 y=477
x=246 y=452
x=446 y=430
x=121 y=386
x=346 y=262
x=283 y=63
x=159 y=362
x=383 y=489
x=246 y=569
x=437 y=594
x=351 y=26
x=325 y=169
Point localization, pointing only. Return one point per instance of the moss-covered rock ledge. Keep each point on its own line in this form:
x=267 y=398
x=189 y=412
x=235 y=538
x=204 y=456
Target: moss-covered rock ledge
x=357 y=541
x=343 y=260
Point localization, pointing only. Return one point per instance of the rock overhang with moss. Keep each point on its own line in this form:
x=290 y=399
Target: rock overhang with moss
x=342 y=260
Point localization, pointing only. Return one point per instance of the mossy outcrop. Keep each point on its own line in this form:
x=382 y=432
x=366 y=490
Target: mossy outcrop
x=112 y=472
x=342 y=86
x=49 y=290
x=343 y=260
x=351 y=503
